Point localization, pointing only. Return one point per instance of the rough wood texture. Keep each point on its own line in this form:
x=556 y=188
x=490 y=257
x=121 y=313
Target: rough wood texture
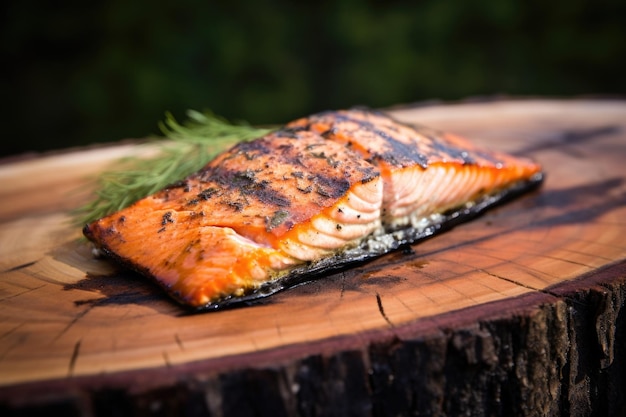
x=520 y=312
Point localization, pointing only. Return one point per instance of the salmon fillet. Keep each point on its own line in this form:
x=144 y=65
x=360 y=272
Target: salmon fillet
x=320 y=193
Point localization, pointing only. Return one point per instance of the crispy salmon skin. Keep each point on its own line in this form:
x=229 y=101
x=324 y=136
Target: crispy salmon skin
x=318 y=194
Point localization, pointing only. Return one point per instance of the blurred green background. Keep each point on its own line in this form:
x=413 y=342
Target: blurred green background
x=78 y=72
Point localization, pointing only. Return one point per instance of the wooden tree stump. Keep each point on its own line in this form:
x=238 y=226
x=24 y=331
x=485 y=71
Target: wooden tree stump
x=519 y=312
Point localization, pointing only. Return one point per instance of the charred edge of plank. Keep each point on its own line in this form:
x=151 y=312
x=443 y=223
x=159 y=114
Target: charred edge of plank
x=375 y=247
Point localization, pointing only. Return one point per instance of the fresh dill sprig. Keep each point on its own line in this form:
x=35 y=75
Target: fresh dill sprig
x=190 y=146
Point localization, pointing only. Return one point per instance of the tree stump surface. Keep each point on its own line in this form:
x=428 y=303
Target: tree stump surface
x=518 y=312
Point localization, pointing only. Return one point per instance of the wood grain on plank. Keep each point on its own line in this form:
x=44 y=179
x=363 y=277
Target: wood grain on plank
x=65 y=314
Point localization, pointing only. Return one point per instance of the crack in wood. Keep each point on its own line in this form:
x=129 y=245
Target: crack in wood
x=22 y=266
x=512 y=281
x=79 y=316
x=444 y=283
x=530 y=287
x=16 y=343
x=26 y=291
x=569 y=261
x=166 y=359
x=179 y=342
x=583 y=253
x=73 y=358
x=279 y=331
x=381 y=309
x=11 y=330
x=530 y=271
x=343 y=285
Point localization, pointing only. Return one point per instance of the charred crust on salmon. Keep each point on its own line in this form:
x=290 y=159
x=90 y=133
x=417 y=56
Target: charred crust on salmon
x=206 y=193
x=276 y=220
x=324 y=192
x=167 y=218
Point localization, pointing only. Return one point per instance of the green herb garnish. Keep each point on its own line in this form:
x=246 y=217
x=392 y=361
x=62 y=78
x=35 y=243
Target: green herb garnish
x=190 y=146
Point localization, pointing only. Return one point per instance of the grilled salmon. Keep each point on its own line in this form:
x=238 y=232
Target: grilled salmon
x=318 y=194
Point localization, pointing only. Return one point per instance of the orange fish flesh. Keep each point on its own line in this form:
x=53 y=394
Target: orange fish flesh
x=319 y=194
